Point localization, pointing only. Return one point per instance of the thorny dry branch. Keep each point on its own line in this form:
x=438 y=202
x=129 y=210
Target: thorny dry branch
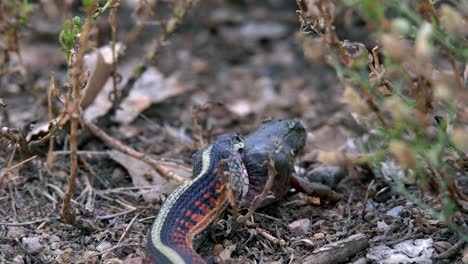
x=313 y=22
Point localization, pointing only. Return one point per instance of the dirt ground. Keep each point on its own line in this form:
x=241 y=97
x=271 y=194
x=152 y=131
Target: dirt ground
x=243 y=60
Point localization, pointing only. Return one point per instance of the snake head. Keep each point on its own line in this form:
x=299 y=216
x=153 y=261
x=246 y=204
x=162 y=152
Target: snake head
x=229 y=144
x=226 y=146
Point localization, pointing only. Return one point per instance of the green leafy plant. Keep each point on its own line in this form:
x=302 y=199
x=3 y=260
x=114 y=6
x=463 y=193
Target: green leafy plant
x=71 y=28
x=414 y=103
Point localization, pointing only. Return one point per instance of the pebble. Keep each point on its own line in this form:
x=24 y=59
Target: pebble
x=327 y=175
x=88 y=255
x=33 y=244
x=18 y=260
x=103 y=246
x=57 y=252
x=300 y=226
x=369 y=217
x=465 y=255
x=290 y=249
x=54 y=245
x=382 y=226
x=441 y=246
x=54 y=238
x=319 y=235
x=65 y=257
x=360 y=261
x=395 y=211
x=16 y=232
x=75 y=246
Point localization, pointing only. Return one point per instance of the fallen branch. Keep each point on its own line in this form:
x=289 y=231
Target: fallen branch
x=337 y=252
x=451 y=251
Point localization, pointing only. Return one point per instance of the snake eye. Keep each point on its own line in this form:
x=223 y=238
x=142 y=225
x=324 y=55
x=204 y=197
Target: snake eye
x=238 y=142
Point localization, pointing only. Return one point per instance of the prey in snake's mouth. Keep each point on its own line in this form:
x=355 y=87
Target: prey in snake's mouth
x=233 y=161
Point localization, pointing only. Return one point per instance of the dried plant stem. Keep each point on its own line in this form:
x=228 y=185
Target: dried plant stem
x=21 y=163
x=334 y=40
x=431 y=8
x=178 y=14
x=76 y=71
x=374 y=107
x=50 y=154
x=112 y=142
x=148 y=12
x=270 y=237
x=8 y=168
x=196 y=131
x=457 y=74
x=113 y=24
x=258 y=200
x=451 y=251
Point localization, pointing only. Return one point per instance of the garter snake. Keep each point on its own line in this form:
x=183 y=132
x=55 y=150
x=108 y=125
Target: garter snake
x=189 y=212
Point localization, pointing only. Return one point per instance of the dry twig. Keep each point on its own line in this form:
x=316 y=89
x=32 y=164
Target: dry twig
x=270 y=237
x=258 y=200
x=196 y=129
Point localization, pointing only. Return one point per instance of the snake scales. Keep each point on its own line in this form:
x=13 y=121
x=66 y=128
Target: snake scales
x=234 y=165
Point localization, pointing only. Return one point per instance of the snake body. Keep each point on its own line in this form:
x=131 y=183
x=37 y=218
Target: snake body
x=189 y=212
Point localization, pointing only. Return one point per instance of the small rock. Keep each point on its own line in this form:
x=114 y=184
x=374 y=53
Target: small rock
x=382 y=226
x=465 y=255
x=308 y=243
x=16 y=232
x=103 y=246
x=441 y=246
x=54 y=238
x=319 y=235
x=75 y=246
x=300 y=226
x=57 y=252
x=65 y=257
x=225 y=254
x=134 y=260
x=369 y=217
x=91 y=247
x=54 y=245
x=370 y=205
x=200 y=66
x=18 y=260
x=327 y=175
x=68 y=227
x=68 y=250
x=360 y=261
x=395 y=211
x=33 y=244
x=290 y=249
x=88 y=255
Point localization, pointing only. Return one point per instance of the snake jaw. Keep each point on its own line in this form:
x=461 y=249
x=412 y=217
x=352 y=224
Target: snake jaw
x=245 y=180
